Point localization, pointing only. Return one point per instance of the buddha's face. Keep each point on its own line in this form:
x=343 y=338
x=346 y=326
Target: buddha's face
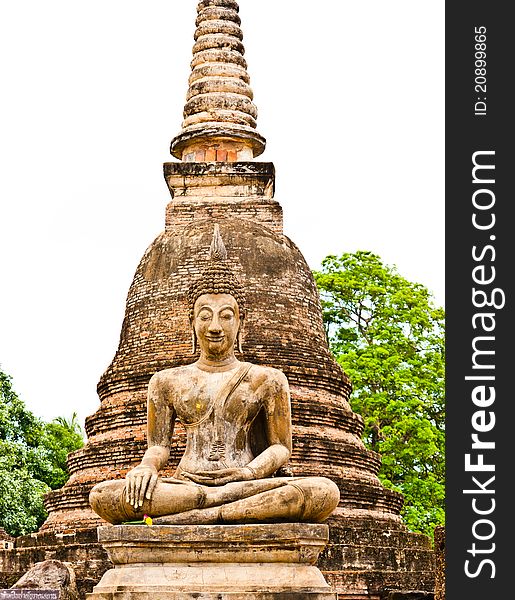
x=216 y=321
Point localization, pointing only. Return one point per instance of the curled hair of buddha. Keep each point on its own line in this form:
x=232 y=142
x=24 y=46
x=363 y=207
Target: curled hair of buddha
x=217 y=277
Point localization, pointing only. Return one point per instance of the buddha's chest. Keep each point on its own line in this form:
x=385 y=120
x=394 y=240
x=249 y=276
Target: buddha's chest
x=218 y=400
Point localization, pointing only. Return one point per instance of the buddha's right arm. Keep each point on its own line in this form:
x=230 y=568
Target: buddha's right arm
x=155 y=456
x=142 y=480
x=160 y=422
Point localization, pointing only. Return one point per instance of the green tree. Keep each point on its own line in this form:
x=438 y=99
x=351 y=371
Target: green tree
x=32 y=460
x=72 y=424
x=388 y=336
x=61 y=436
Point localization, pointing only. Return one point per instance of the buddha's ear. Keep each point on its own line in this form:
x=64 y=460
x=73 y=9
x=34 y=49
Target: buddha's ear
x=193 y=340
x=238 y=336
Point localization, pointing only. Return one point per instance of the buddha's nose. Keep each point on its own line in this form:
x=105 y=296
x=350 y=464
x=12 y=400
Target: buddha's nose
x=214 y=325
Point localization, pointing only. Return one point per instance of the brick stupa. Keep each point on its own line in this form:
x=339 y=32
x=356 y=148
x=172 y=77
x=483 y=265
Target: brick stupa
x=216 y=180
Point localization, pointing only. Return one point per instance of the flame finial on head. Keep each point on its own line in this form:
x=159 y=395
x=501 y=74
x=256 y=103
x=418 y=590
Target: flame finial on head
x=217 y=250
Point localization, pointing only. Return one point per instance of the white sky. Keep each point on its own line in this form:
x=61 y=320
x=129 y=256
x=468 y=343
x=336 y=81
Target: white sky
x=350 y=99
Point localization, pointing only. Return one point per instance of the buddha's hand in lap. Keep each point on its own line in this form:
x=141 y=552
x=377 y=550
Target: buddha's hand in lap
x=221 y=476
x=139 y=485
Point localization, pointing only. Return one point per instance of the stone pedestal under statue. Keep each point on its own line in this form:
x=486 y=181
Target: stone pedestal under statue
x=214 y=562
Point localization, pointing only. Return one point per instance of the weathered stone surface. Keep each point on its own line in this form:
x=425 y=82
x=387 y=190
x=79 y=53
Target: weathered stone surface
x=303 y=594
x=277 y=543
x=219 y=561
x=219 y=115
x=4 y=535
x=80 y=549
x=439 y=541
x=6 y=540
x=203 y=190
x=408 y=595
x=51 y=575
x=367 y=559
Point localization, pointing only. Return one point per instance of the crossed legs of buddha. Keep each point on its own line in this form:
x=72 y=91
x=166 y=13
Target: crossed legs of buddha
x=177 y=502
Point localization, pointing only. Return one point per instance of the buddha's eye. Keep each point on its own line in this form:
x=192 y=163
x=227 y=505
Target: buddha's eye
x=228 y=316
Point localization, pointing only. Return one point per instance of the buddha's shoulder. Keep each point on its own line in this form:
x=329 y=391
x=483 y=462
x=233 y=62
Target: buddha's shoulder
x=263 y=375
x=172 y=375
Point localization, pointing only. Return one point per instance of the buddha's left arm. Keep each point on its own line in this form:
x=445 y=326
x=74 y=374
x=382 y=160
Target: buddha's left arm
x=278 y=427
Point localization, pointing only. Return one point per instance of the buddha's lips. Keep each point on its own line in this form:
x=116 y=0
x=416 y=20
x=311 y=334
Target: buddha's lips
x=214 y=339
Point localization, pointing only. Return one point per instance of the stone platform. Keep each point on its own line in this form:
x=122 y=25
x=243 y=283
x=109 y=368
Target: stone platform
x=213 y=562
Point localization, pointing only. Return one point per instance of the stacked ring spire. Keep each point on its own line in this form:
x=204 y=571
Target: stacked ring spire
x=219 y=115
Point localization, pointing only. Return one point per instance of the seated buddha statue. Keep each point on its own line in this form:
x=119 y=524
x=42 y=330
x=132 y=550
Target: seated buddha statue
x=238 y=430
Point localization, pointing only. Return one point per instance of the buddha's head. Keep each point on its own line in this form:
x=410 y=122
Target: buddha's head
x=216 y=324
x=217 y=305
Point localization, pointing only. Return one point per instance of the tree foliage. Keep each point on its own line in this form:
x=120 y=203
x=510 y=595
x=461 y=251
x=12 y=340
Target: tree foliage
x=32 y=460
x=388 y=336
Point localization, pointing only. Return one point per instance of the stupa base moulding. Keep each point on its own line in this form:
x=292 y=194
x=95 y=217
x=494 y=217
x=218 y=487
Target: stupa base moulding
x=214 y=562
